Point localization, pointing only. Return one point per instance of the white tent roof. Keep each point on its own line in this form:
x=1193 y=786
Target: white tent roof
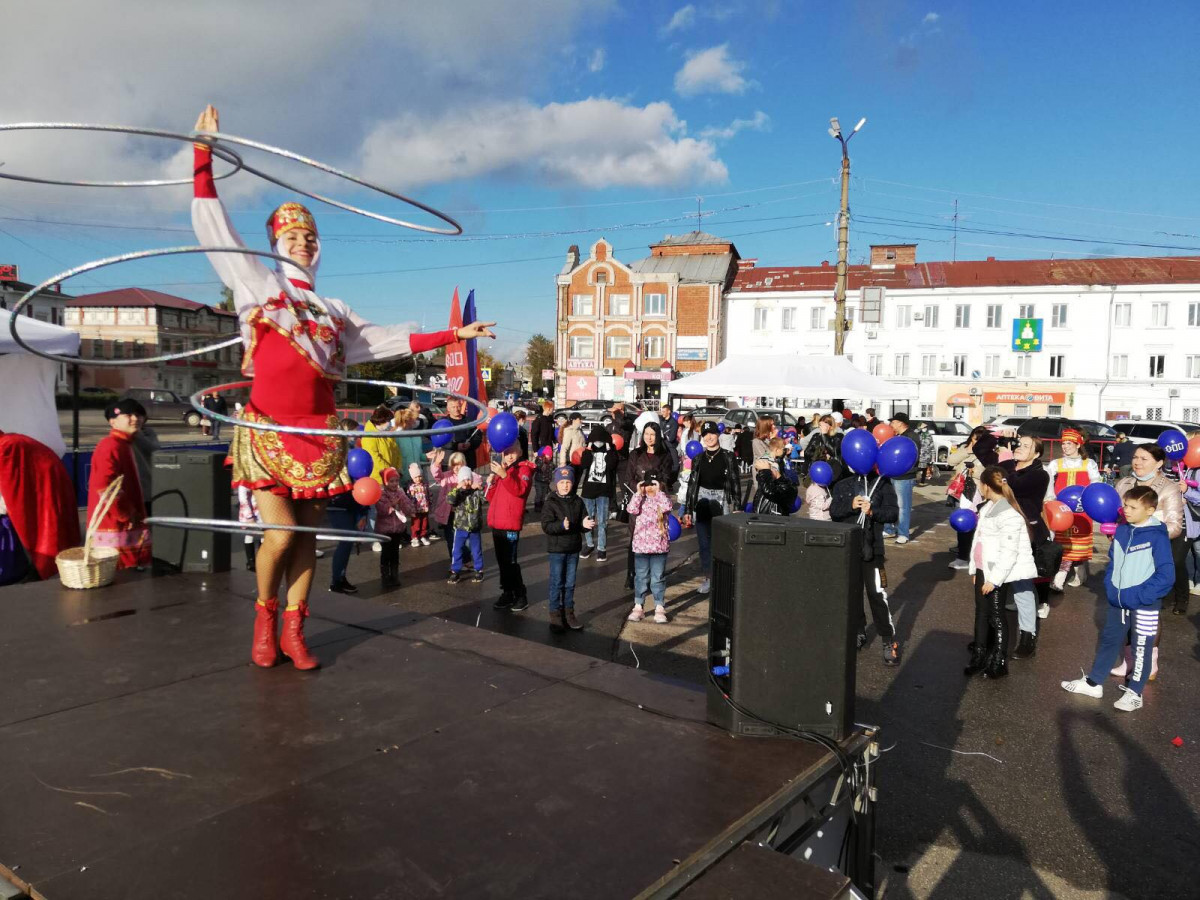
x=43 y=335
x=788 y=375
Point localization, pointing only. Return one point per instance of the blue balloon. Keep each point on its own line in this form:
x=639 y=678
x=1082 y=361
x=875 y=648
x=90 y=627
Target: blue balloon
x=720 y=427
x=796 y=504
x=896 y=456
x=359 y=463
x=859 y=450
x=963 y=520
x=1072 y=495
x=749 y=507
x=693 y=449
x=441 y=440
x=1174 y=444
x=1101 y=502
x=821 y=473
x=674 y=528
x=503 y=431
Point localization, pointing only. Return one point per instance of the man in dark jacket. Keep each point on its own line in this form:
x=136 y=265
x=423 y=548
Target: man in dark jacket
x=855 y=501
x=597 y=482
x=564 y=520
x=541 y=429
x=466 y=440
x=904 y=483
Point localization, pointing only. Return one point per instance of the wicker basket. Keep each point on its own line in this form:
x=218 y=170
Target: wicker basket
x=88 y=566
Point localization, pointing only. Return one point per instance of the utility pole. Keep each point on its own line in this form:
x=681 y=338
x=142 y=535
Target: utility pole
x=839 y=291
x=954 y=252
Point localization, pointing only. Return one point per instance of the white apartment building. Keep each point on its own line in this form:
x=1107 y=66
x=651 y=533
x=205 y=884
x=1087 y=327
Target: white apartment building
x=1119 y=338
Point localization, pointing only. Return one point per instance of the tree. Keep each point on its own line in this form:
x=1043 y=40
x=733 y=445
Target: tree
x=226 y=300
x=539 y=354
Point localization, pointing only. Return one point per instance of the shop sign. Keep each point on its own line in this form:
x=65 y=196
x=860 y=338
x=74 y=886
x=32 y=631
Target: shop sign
x=1023 y=397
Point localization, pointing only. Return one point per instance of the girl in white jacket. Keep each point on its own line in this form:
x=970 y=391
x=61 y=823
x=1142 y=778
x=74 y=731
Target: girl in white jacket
x=1001 y=561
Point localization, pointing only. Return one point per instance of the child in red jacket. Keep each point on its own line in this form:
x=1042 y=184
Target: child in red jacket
x=507 y=491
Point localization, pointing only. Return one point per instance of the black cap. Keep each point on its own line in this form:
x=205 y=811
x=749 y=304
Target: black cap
x=650 y=478
x=899 y=417
x=124 y=406
x=709 y=428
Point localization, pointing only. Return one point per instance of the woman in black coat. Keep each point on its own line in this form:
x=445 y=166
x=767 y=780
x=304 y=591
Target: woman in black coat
x=1029 y=480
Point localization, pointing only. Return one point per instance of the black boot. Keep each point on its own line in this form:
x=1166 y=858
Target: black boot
x=978 y=657
x=997 y=659
x=1026 y=646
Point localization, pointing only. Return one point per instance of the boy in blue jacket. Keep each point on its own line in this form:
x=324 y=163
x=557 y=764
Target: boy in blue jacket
x=1140 y=572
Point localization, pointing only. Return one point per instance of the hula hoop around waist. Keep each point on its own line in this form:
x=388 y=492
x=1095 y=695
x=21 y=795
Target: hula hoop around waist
x=229 y=525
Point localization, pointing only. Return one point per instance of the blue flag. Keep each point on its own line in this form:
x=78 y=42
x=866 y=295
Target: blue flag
x=469 y=315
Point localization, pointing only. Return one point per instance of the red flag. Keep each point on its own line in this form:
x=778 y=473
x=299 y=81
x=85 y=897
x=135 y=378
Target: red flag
x=457 y=373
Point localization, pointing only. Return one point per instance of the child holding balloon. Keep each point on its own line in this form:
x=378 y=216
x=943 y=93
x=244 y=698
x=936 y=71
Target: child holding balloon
x=393 y=513
x=817 y=497
x=651 y=507
x=467 y=499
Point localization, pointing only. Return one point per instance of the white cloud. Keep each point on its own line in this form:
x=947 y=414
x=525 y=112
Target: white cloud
x=596 y=60
x=760 y=121
x=592 y=143
x=930 y=18
x=711 y=71
x=685 y=17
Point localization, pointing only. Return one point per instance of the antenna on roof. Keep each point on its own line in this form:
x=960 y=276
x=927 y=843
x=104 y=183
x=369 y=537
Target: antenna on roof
x=699 y=200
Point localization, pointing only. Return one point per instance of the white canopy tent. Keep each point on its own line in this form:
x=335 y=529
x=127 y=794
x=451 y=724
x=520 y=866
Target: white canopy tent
x=28 y=381
x=787 y=375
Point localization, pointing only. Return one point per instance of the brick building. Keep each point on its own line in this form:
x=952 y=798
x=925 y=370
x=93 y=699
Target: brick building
x=623 y=328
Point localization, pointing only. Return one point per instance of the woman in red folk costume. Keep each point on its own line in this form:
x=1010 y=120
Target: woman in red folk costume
x=1072 y=468
x=297 y=345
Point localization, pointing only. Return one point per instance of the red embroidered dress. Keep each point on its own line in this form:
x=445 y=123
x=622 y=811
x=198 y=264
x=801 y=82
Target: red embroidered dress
x=123 y=526
x=1077 y=543
x=297 y=345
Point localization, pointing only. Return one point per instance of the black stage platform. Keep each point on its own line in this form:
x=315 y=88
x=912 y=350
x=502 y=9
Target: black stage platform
x=144 y=757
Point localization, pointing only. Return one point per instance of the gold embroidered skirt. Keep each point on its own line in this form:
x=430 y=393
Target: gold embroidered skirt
x=298 y=466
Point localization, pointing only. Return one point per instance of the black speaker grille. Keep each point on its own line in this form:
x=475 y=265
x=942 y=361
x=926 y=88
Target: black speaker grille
x=722 y=589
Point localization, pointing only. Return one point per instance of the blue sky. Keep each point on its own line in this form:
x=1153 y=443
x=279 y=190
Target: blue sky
x=542 y=123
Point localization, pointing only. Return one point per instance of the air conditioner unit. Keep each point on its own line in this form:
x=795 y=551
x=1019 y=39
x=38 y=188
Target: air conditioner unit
x=945 y=367
x=872 y=331
x=918 y=317
x=1173 y=392
x=608 y=371
x=1008 y=373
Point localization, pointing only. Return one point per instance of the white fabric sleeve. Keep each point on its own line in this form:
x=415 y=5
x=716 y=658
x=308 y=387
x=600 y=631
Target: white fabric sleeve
x=243 y=274
x=366 y=342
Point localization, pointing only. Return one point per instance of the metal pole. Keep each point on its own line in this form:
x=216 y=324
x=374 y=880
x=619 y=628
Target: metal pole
x=839 y=293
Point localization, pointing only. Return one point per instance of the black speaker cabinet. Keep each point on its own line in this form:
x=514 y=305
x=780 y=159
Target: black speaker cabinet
x=195 y=484
x=781 y=634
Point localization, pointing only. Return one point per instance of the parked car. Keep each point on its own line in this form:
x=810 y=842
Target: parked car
x=948 y=434
x=163 y=404
x=747 y=416
x=1101 y=437
x=708 y=413
x=1006 y=426
x=1148 y=432
x=596 y=411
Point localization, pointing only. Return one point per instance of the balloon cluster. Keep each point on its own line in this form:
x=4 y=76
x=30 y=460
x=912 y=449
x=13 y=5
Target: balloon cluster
x=862 y=452
x=1100 y=502
x=359 y=465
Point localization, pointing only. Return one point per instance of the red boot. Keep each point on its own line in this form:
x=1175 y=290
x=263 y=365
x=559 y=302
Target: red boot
x=291 y=642
x=265 y=650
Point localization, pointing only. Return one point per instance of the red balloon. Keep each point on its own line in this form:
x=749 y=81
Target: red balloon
x=1058 y=516
x=576 y=456
x=367 y=491
x=1191 y=459
x=882 y=433
x=618 y=441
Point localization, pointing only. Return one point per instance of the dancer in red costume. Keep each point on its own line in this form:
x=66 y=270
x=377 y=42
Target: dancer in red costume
x=124 y=526
x=297 y=345
x=36 y=494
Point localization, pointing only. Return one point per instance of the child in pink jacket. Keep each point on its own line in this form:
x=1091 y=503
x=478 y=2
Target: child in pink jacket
x=393 y=515
x=651 y=505
x=817 y=498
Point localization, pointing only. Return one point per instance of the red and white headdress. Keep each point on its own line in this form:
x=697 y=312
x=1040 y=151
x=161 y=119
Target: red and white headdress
x=1070 y=434
x=289 y=217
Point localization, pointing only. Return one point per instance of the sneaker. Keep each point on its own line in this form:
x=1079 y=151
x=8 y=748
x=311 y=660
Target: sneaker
x=1080 y=686
x=602 y=556
x=519 y=604
x=343 y=587
x=1119 y=670
x=891 y=653
x=477 y=576
x=1074 y=582
x=1194 y=589
x=1043 y=610
x=377 y=547
x=1129 y=701
x=889 y=536
x=414 y=543
x=573 y=623
x=556 y=621
x=705 y=586
x=860 y=640
x=636 y=614
x=660 y=615
x=320 y=553
x=959 y=564
x=901 y=539
x=585 y=552
x=432 y=537
x=425 y=541
x=454 y=578
x=504 y=602
x=1060 y=579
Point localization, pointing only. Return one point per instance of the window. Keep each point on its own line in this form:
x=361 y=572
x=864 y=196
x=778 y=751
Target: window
x=901 y=364
x=1157 y=364
x=1021 y=409
x=875 y=364
x=990 y=411
x=1154 y=413
x=889 y=255
x=960 y=365
x=871 y=311
x=118 y=349
x=1054 y=410
x=1025 y=311
x=962 y=316
x=760 y=319
x=1120 y=366
x=583 y=347
x=991 y=365
x=931 y=317
x=619 y=347
x=654 y=304
x=1058 y=315
x=1158 y=315
x=134 y=316
x=994 y=312
x=789 y=318
x=928 y=365
x=1123 y=314
x=1191 y=413
x=926 y=410
x=816 y=318
x=654 y=347
x=904 y=316
x=1193 y=367
x=618 y=305
x=581 y=304
x=94 y=316
x=1024 y=364
x=601 y=276
x=1056 y=366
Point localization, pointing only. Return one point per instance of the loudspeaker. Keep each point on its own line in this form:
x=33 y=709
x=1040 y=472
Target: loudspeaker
x=194 y=484
x=781 y=624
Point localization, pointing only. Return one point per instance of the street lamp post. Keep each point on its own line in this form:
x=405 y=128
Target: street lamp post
x=839 y=294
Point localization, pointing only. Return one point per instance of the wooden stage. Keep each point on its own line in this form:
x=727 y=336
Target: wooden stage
x=144 y=757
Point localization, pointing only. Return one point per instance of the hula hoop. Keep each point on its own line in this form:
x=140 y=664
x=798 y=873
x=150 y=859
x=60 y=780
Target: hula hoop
x=232 y=527
x=230 y=156
x=337 y=432
x=212 y=137
x=127 y=257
